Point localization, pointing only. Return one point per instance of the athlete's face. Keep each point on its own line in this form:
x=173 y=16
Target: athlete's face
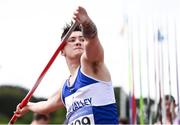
x=75 y=45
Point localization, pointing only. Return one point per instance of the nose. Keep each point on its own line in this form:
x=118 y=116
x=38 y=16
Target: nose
x=78 y=43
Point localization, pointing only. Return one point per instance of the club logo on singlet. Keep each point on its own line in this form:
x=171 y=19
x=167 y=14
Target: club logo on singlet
x=79 y=104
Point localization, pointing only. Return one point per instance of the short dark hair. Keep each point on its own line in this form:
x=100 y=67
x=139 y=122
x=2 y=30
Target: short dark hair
x=68 y=26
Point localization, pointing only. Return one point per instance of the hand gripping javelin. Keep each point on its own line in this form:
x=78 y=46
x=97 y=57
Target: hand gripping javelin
x=41 y=76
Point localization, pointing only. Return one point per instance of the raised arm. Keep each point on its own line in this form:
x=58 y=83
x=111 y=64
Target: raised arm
x=93 y=50
x=92 y=60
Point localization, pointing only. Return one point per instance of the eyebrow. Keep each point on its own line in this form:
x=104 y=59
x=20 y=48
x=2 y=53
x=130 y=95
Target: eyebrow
x=75 y=37
x=81 y=36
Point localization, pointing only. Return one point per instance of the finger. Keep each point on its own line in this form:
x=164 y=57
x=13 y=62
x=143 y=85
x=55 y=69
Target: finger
x=18 y=107
x=18 y=115
x=17 y=112
x=76 y=19
x=76 y=12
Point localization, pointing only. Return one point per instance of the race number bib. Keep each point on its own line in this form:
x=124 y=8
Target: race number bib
x=83 y=116
x=84 y=120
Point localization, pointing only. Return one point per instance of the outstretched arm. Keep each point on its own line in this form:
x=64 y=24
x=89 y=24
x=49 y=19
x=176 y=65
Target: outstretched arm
x=42 y=107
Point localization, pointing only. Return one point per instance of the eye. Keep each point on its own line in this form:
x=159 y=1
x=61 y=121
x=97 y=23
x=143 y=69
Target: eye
x=71 y=40
x=81 y=39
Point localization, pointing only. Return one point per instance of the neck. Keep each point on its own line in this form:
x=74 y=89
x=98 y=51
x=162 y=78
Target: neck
x=73 y=64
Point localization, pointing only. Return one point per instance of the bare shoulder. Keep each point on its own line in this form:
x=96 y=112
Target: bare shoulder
x=97 y=70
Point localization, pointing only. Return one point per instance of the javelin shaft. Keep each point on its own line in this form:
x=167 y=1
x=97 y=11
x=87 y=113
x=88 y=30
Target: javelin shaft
x=41 y=76
x=177 y=71
x=141 y=102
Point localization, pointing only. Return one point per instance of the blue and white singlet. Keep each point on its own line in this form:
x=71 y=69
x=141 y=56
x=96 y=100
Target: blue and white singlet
x=89 y=101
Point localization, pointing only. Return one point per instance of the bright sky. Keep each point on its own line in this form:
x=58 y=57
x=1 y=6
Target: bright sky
x=30 y=33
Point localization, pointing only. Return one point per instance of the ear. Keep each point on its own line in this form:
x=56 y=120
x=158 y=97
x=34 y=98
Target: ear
x=62 y=53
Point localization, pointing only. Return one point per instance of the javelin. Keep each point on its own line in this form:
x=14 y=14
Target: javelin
x=41 y=76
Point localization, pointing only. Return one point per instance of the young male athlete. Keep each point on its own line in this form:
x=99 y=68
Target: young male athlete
x=88 y=93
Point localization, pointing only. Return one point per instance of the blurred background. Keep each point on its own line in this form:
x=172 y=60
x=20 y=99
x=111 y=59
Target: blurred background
x=140 y=39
